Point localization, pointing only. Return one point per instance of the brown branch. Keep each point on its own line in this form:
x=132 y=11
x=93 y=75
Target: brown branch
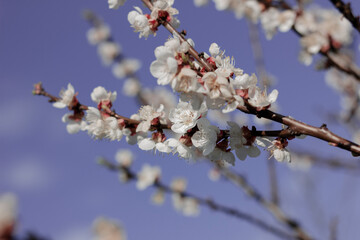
x=271 y=207
x=207 y=202
x=296 y=128
x=345 y=9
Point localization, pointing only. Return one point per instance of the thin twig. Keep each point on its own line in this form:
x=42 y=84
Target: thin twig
x=207 y=202
x=333 y=228
x=345 y=9
x=264 y=78
x=274 y=191
x=258 y=54
x=274 y=209
x=96 y=22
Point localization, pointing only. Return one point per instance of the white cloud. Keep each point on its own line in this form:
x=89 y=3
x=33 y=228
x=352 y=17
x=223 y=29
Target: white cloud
x=26 y=173
x=16 y=116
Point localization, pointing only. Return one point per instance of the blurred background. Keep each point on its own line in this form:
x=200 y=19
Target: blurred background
x=54 y=175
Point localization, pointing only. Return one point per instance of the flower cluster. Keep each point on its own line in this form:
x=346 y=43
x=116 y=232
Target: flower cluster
x=192 y=135
x=217 y=85
x=147 y=24
x=320 y=29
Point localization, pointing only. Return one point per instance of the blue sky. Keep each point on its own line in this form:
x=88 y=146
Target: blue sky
x=61 y=189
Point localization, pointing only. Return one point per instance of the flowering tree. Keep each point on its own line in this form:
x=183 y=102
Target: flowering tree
x=201 y=111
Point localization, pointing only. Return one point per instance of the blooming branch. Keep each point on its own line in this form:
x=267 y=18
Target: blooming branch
x=207 y=202
x=273 y=209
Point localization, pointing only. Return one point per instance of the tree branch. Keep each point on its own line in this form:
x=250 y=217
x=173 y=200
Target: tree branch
x=272 y=208
x=207 y=202
x=345 y=9
x=296 y=128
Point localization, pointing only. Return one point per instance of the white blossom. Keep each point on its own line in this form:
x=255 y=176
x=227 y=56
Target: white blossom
x=124 y=157
x=186 y=205
x=216 y=85
x=286 y=20
x=269 y=21
x=181 y=149
x=100 y=127
x=200 y=3
x=140 y=22
x=96 y=125
x=158 y=197
x=305 y=23
x=186 y=81
x=115 y=4
x=178 y=185
x=131 y=87
x=214 y=49
x=273 y=20
x=108 y=51
x=312 y=43
x=147 y=176
x=73 y=125
x=165 y=66
x=245 y=81
x=184 y=117
x=221 y=5
x=214 y=174
x=147 y=114
x=282 y=155
x=133 y=139
x=276 y=148
x=248 y=8
x=100 y=94
x=205 y=138
x=66 y=97
x=222 y=157
x=98 y=34
x=164 y=5
x=239 y=143
x=260 y=99
x=112 y=130
x=126 y=68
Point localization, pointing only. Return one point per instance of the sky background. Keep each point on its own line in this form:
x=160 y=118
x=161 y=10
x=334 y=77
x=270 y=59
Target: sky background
x=61 y=189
